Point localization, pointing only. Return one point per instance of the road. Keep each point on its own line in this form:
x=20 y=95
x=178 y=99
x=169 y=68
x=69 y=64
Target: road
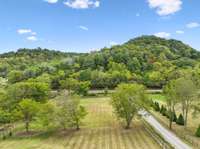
x=169 y=136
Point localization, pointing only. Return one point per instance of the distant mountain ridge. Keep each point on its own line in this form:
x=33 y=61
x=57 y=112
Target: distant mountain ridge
x=148 y=60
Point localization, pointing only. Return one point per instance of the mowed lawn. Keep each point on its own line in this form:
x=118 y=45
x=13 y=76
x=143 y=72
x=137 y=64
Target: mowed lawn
x=100 y=130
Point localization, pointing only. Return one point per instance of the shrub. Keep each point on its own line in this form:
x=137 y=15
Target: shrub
x=171 y=115
x=174 y=117
x=164 y=111
x=167 y=114
x=161 y=109
x=198 y=132
x=180 y=120
x=156 y=106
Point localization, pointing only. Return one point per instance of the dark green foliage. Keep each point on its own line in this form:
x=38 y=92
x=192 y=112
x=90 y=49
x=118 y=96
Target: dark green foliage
x=171 y=115
x=168 y=114
x=174 y=117
x=198 y=132
x=82 y=88
x=164 y=111
x=161 y=109
x=156 y=106
x=180 y=120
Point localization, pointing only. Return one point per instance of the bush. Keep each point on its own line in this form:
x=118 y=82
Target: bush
x=156 y=106
x=168 y=114
x=174 y=117
x=171 y=115
x=198 y=132
x=161 y=109
x=180 y=120
x=164 y=111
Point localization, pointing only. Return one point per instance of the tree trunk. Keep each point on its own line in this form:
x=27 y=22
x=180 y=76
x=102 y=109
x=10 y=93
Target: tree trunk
x=27 y=126
x=128 y=122
x=77 y=127
x=170 y=117
x=186 y=115
x=170 y=120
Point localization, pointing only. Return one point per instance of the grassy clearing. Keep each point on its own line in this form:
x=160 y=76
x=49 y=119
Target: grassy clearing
x=100 y=131
x=193 y=122
x=157 y=97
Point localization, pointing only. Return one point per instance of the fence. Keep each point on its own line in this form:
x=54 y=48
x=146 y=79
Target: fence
x=187 y=138
x=156 y=136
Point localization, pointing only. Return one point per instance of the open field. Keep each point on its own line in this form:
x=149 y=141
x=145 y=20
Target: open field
x=186 y=134
x=100 y=131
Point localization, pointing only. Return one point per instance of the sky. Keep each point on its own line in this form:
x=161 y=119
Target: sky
x=88 y=25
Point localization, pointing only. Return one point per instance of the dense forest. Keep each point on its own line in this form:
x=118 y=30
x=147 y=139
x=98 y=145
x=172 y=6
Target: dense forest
x=149 y=60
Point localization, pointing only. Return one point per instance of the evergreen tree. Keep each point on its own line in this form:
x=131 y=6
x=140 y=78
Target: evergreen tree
x=161 y=109
x=164 y=111
x=180 y=120
x=156 y=106
x=198 y=132
x=174 y=117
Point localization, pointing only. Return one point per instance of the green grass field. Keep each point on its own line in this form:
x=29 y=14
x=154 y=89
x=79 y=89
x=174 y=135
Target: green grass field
x=100 y=130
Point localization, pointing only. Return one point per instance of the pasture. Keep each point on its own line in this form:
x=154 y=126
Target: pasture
x=100 y=130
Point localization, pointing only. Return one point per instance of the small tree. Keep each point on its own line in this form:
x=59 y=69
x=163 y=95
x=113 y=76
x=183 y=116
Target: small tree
x=128 y=100
x=70 y=112
x=180 y=120
x=187 y=94
x=198 y=132
x=161 y=109
x=174 y=117
x=28 y=109
x=164 y=111
x=75 y=112
x=69 y=84
x=82 y=88
x=156 y=106
x=171 y=100
x=46 y=115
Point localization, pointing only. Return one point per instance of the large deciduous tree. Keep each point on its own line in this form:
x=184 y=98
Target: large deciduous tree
x=187 y=93
x=70 y=112
x=128 y=100
x=171 y=100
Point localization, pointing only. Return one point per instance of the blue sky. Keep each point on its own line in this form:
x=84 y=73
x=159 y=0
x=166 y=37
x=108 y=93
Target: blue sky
x=87 y=25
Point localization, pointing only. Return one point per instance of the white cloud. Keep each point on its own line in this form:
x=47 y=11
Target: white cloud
x=32 y=38
x=180 y=32
x=24 y=31
x=84 y=28
x=137 y=14
x=33 y=33
x=165 y=7
x=112 y=43
x=82 y=4
x=51 y=1
x=162 y=34
x=192 y=25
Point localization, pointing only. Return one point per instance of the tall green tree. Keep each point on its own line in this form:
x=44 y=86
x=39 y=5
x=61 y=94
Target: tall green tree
x=69 y=112
x=28 y=109
x=128 y=100
x=187 y=93
x=171 y=100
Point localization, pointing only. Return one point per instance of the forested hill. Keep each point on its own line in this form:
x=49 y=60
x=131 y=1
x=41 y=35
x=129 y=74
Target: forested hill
x=148 y=59
x=175 y=46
